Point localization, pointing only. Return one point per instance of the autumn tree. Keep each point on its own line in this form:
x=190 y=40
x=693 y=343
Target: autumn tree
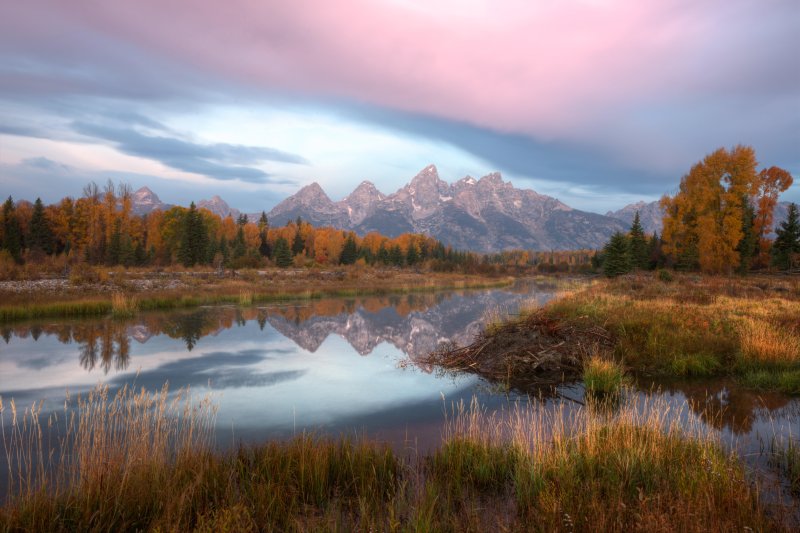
x=787 y=240
x=703 y=222
x=771 y=183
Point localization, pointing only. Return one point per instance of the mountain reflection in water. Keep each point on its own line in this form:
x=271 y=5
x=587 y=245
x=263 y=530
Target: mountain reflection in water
x=285 y=367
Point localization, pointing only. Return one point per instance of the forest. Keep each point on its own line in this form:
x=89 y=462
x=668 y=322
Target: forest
x=100 y=228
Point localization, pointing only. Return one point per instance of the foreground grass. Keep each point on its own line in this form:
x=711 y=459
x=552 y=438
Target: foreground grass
x=143 y=465
x=121 y=300
x=697 y=326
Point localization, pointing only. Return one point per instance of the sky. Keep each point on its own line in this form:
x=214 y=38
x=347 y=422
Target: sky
x=599 y=103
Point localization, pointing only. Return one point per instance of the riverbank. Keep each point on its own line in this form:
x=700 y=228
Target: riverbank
x=659 y=325
x=143 y=462
x=125 y=292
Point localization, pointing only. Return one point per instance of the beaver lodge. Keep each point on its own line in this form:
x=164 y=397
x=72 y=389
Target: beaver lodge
x=528 y=353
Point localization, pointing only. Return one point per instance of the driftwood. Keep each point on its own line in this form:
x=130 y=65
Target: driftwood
x=528 y=353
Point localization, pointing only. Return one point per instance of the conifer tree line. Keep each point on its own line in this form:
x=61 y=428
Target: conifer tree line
x=718 y=222
x=99 y=228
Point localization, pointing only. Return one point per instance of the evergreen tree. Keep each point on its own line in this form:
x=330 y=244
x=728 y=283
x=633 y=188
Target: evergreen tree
x=12 y=232
x=41 y=234
x=655 y=254
x=114 y=244
x=224 y=250
x=298 y=245
x=637 y=244
x=241 y=220
x=349 y=251
x=194 y=238
x=787 y=240
x=412 y=256
x=263 y=247
x=263 y=222
x=282 y=253
x=617 y=254
x=747 y=246
x=383 y=254
x=396 y=256
x=239 y=244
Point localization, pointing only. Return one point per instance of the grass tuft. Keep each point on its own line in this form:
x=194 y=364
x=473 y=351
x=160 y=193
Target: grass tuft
x=603 y=376
x=123 y=306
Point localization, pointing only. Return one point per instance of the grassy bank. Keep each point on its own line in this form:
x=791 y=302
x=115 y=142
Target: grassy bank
x=142 y=462
x=686 y=326
x=122 y=298
x=696 y=326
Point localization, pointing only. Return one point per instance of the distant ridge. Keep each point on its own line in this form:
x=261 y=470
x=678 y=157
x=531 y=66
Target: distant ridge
x=486 y=214
x=483 y=215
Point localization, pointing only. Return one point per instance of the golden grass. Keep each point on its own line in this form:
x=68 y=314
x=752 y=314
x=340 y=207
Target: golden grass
x=123 y=305
x=603 y=376
x=693 y=326
x=762 y=342
x=246 y=297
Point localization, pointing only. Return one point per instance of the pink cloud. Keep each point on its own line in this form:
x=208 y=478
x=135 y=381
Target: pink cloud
x=549 y=69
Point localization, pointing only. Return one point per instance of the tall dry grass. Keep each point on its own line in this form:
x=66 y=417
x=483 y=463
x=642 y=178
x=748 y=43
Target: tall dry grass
x=99 y=438
x=123 y=305
x=142 y=462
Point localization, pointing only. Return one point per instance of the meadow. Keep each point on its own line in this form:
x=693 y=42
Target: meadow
x=649 y=324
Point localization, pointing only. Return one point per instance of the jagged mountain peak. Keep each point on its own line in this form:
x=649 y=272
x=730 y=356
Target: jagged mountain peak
x=145 y=201
x=428 y=174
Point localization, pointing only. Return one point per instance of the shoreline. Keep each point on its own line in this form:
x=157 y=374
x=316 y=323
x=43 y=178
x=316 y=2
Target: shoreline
x=128 y=293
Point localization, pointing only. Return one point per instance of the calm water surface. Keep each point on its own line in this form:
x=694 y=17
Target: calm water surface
x=330 y=366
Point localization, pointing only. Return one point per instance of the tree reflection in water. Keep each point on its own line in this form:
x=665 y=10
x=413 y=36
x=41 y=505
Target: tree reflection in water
x=720 y=403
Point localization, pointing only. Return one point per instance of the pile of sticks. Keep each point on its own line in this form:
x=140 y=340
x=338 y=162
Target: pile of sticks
x=532 y=351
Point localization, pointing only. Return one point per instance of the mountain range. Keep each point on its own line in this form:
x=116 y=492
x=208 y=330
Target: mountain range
x=483 y=215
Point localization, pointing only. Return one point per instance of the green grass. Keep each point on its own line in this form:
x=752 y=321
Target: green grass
x=603 y=377
x=786 y=458
x=785 y=381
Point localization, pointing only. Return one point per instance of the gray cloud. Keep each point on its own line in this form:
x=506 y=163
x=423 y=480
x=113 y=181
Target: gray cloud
x=219 y=161
x=44 y=163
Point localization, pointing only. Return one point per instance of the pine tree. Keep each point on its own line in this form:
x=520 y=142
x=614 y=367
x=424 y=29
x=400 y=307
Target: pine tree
x=263 y=247
x=617 y=256
x=194 y=238
x=787 y=240
x=383 y=254
x=239 y=245
x=114 y=244
x=282 y=253
x=12 y=232
x=41 y=234
x=396 y=256
x=349 y=251
x=298 y=245
x=411 y=255
x=638 y=244
x=263 y=222
x=655 y=255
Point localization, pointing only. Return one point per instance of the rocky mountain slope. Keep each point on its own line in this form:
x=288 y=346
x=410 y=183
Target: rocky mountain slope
x=486 y=214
